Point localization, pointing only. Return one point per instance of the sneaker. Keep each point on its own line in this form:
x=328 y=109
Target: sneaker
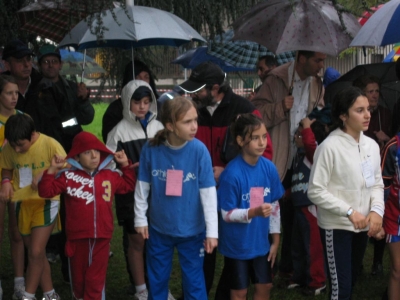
x=53 y=296
x=293 y=285
x=51 y=257
x=170 y=296
x=19 y=290
x=142 y=295
x=377 y=269
x=309 y=291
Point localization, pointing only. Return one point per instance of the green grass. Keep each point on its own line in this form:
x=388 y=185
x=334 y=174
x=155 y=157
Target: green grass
x=368 y=287
x=95 y=126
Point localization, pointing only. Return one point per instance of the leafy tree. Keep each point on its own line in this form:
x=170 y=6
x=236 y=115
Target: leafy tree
x=210 y=17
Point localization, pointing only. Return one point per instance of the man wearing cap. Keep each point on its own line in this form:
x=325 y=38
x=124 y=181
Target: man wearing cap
x=218 y=105
x=18 y=61
x=67 y=102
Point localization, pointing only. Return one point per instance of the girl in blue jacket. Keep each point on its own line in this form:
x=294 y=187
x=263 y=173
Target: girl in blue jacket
x=249 y=188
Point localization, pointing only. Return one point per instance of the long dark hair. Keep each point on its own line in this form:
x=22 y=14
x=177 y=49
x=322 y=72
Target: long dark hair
x=341 y=104
x=243 y=125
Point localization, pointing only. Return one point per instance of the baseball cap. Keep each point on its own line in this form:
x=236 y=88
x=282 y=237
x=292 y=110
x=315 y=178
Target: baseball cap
x=48 y=50
x=17 y=49
x=205 y=73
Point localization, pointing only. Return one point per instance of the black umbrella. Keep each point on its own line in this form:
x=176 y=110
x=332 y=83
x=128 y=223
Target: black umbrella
x=386 y=72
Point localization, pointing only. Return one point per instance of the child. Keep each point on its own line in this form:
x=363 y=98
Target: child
x=307 y=251
x=8 y=101
x=346 y=186
x=131 y=133
x=176 y=189
x=391 y=179
x=24 y=158
x=89 y=189
x=249 y=188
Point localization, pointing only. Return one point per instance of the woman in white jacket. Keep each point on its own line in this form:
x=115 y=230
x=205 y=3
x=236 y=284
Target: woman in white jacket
x=346 y=185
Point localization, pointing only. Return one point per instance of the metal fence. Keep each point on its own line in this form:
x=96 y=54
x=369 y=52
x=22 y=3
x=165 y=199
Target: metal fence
x=245 y=82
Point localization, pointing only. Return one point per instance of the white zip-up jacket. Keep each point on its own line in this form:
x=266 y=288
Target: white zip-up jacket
x=337 y=181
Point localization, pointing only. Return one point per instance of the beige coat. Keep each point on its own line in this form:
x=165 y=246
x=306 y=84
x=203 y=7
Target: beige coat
x=269 y=102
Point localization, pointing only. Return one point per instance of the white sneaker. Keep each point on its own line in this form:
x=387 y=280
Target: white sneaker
x=53 y=296
x=170 y=297
x=19 y=290
x=142 y=295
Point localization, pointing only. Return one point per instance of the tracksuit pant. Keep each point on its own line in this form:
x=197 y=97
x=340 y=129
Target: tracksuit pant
x=344 y=252
x=159 y=255
x=88 y=259
x=307 y=251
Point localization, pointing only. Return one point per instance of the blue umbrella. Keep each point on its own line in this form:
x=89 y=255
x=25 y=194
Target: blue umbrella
x=382 y=28
x=77 y=63
x=190 y=59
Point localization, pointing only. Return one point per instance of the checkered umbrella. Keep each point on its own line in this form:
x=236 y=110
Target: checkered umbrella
x=51 y=20
x=193 y=57
x=243 y=54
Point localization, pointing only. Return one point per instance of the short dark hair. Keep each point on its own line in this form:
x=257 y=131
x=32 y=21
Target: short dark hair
x=343 y=100
x=19 y=127
x=4 y=79
x=269 y=60
x=306 y=54
x=362 y=81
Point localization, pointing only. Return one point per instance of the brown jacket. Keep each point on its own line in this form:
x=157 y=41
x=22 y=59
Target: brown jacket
x=269 y=103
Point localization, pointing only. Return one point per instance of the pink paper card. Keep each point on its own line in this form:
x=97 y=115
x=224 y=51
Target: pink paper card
x=174 y=183
x=256 y=196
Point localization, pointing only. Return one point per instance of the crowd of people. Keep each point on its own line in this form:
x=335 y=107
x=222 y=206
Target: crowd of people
x=216 y=171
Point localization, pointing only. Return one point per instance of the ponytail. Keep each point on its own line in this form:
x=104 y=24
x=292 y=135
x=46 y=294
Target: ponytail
x=159 y=138
x=171 y=112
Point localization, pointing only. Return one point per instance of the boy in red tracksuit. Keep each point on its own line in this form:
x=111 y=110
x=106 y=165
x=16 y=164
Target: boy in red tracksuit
x=89 y=189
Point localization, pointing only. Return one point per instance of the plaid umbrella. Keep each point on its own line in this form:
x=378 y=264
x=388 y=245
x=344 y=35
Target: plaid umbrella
x=243 y=54
x=193 y=57
x=51 y=20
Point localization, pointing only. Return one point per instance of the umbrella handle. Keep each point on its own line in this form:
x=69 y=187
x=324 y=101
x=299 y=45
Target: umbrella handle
x=294 y=70
x=83 y=66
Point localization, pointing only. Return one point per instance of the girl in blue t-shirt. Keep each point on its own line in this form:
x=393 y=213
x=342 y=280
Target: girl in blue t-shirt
x=248 y=192
x=176 y=192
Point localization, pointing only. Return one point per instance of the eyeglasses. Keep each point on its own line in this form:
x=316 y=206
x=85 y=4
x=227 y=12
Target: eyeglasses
x=51 y=61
